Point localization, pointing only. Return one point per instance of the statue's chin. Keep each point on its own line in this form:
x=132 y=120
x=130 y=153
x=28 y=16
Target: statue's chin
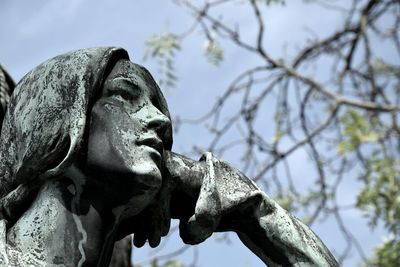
x=136 y=187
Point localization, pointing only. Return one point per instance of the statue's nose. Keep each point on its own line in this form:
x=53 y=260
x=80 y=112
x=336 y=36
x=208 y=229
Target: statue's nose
x=157 y=121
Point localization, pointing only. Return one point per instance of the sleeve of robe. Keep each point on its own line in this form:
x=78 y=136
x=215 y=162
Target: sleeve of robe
x=228 y=199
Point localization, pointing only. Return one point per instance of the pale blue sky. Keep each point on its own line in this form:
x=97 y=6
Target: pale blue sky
x=33 y=31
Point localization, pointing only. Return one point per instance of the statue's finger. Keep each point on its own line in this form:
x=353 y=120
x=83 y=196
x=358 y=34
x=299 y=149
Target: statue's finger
x=164 y=220
x=139 y=239
x=154 y=239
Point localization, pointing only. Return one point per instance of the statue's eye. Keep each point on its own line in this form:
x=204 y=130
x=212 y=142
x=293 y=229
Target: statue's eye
x=122 y=89
x=122 y=94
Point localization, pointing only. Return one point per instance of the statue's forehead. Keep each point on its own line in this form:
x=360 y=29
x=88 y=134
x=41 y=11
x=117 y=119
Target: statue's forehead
x=131 y=71
x=140 y=76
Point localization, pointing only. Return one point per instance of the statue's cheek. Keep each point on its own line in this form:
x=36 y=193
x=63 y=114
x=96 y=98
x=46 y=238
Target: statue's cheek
x=115 y=157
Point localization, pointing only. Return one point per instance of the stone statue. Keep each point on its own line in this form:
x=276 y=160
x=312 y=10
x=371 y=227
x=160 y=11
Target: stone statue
x=85 y=159
x=6 y=87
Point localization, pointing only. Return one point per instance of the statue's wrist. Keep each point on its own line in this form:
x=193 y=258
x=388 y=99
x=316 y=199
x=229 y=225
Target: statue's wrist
x=240 y=219
x=247 y=219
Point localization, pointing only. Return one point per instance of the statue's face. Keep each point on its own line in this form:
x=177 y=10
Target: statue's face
x=128 y=133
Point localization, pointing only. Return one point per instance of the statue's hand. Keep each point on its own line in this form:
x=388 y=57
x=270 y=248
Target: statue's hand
x=206 y=196
x=210 y=196
x=153 y=222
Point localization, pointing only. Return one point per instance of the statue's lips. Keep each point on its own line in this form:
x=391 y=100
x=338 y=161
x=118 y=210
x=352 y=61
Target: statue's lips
x=154 y=143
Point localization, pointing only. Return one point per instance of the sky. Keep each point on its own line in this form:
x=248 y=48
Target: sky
x=33 y=31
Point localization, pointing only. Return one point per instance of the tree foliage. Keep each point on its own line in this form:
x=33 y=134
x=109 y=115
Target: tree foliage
x=336 y=97
x=163 y=47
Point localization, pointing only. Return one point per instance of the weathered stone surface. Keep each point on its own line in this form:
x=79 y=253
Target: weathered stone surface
x=229 y=201
x=85 y=159
x=6 y=87
x=42 y=135
x=46 y=118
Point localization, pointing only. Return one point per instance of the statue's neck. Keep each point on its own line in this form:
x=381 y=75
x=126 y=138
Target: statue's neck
x=68 y=222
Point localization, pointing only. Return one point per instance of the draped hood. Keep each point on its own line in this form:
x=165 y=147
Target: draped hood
x=45 y=123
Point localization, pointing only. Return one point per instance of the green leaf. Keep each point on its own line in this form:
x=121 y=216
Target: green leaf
x=213 y=52
x=162 y=47
x=388 y=253
x=278 y=135
x=172 y=263
x=356 y=131
x=380 y=196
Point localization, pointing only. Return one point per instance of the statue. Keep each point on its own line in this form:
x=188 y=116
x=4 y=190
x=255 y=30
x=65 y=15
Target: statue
x=85 y=159
x=6 y=87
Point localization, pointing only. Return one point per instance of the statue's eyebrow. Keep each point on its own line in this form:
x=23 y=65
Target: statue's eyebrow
x=126 y=80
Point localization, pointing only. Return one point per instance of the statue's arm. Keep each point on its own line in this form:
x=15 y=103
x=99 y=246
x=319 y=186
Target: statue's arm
x=280 y=239
x=228 y=200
